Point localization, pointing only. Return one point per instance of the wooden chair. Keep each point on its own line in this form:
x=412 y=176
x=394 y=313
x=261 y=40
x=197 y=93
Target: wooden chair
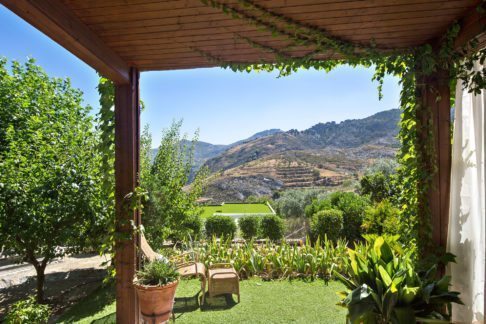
x=186 y=269
x=223 y=279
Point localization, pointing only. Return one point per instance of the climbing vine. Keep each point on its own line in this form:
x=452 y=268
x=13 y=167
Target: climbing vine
x=106 y=146
x=417 y=155
x=133 y=201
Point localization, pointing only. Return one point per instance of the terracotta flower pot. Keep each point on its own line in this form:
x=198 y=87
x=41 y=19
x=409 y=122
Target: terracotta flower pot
x=156 y=302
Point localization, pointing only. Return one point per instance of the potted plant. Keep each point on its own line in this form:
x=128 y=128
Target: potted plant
x=156 y=285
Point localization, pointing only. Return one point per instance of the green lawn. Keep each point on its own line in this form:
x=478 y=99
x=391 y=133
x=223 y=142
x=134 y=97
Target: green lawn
x=236 y=209
x=261 y=302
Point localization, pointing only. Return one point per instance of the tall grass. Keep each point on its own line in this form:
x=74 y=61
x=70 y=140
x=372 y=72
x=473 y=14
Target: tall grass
x=272 y=261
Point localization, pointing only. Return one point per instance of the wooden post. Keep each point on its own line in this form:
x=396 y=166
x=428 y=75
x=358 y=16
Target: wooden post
x=434 y=119
x=127 y=156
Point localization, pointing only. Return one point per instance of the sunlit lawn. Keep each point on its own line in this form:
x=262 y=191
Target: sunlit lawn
x=261 y=302
x=235 y=208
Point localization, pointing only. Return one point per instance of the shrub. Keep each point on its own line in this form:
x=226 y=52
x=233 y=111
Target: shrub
x=272 y=227
x=249 y=226
x=317 y=205
x=157 y=273
x=220 y=226
x=193 y=225
x=28 y=311
x=382 y=219
x=327 y=223
x=383 y=286
x=353 y=207
x=380 y=181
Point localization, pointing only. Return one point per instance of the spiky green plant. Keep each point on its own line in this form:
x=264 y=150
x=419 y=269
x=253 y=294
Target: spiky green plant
x=384 y=287
x=276 y=261
x=156 y=273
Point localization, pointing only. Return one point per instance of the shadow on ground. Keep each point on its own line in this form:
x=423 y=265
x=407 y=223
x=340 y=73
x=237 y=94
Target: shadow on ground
x=61 y=288
x=190 y=304
x=95 y=303
x=182 y=305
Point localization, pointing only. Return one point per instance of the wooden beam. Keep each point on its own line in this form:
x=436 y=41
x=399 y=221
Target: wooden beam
x=57 y=21
x=472 y=25
x=434 y=119
x=127 y=167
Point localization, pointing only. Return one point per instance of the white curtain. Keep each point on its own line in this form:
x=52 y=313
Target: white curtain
x=467 y=223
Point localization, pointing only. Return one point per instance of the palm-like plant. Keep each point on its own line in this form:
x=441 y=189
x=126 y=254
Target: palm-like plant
x=384 y=287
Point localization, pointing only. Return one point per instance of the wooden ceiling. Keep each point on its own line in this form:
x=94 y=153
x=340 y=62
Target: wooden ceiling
x=169 y=34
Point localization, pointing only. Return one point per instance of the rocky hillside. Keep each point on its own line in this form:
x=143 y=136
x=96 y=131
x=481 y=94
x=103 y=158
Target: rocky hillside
x=377 y=130
x=327 y=154
x=204 y=151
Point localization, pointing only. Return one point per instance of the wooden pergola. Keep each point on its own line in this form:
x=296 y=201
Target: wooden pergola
x=121 y=38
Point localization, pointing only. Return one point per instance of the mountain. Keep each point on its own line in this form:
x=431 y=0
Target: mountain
x=204 y=151
x=258 y=135
x=325 y=155
x=380 y=129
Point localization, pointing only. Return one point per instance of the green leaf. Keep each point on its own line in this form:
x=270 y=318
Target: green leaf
x=443 y=283
x=409 y=294
x=403 y=315
x=377 y=246
x=385 y=276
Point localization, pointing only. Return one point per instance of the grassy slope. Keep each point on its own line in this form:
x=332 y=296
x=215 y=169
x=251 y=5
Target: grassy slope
x=235 y=208
x=261 y=302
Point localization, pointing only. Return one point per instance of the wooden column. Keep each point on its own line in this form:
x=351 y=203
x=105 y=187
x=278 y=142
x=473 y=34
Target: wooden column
x=434 y=121
x=127 y=156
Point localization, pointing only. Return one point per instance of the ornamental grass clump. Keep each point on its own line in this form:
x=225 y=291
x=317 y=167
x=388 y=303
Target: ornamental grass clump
x=272 y=261
x=384 y=286
x=157 y=273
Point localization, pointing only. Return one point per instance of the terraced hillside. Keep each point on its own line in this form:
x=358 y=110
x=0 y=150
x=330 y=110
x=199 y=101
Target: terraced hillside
x=324 y=155
x=378 y=130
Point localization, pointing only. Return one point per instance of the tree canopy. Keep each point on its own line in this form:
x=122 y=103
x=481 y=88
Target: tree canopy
x=50 y=181
x=171 y=211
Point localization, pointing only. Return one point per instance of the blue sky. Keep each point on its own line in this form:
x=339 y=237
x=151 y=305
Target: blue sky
x=225 y=106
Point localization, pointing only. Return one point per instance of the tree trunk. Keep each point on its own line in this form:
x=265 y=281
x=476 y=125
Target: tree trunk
x=40 y=283
x=40 y=271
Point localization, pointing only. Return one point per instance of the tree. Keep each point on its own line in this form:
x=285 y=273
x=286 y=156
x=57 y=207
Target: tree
x=292 y=203
x=171 y=210
x=379 y=181
x=50 y=180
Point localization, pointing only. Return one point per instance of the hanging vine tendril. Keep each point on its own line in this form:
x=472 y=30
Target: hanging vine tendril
x=417 y=154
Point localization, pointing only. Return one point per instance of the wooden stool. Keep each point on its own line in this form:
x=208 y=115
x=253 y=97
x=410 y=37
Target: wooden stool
x=223 y=279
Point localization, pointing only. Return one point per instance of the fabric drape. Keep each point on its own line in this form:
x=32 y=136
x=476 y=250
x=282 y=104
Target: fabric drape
x=466 y=238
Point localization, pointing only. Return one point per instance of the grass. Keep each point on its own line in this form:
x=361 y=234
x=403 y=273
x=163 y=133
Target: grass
x=261 y=302
x=100 y=304
x=235 y=209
